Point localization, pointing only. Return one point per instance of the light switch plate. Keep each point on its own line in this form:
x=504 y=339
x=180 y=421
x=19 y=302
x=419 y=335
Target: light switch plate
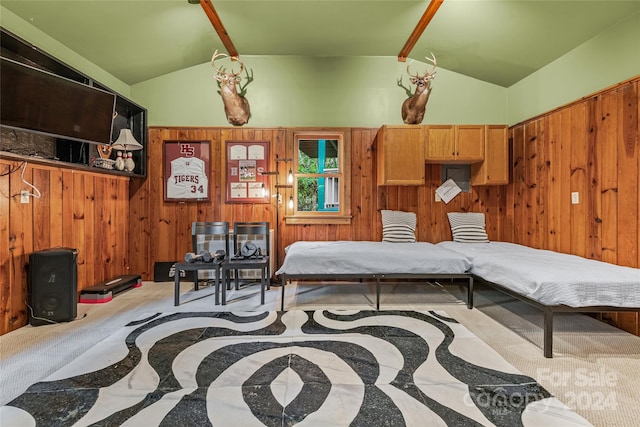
x=575 y=198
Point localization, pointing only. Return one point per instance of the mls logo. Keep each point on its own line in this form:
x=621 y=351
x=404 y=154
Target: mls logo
x=52 y=278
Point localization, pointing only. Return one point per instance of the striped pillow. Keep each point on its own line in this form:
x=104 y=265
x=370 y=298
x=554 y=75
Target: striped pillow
x=398 y=227
x=468 y=227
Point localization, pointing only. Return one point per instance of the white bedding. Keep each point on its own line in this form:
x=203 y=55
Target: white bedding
x=552 y=278
x=366 y=257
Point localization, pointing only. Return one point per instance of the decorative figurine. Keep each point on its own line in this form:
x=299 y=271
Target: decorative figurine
x=129 y=166
x=119 y=161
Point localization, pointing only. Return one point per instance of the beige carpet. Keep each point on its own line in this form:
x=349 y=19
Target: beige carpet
x=594 y=370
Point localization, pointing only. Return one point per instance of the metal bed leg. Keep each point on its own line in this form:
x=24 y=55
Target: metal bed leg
x=377 y=293
x=548 y=334
x=470 y=293
x=284 y=282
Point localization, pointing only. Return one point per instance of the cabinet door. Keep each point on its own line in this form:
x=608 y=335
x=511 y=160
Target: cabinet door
x=401 y=155
x=470 y=143
x=440 y=143
x=494 y=170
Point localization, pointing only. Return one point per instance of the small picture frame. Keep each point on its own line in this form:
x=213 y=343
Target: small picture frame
x=246 y=161
x=186 y=171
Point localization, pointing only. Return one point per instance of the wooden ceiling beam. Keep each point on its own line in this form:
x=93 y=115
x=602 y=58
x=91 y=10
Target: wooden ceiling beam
x=211 y=13
x=417 y=32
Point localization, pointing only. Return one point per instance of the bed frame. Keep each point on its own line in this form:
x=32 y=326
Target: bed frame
x=549 y=310
x=378 y=277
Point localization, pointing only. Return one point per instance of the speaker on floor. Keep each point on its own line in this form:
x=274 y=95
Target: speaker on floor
x=53 y=286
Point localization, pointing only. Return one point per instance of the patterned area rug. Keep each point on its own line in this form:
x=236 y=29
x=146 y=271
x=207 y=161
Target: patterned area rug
x=321 y=368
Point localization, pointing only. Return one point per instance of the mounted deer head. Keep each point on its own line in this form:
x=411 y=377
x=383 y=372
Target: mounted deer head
x=236 y=106
x=413 y=108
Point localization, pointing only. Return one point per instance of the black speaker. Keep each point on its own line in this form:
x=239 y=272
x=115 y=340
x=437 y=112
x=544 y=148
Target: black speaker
x=53 y=286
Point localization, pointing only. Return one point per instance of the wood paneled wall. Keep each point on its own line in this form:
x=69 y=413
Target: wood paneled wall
x=82 y=210
x=166 y=226
x=590 y=147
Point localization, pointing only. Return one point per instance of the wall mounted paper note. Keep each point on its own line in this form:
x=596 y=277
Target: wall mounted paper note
x=448 y=190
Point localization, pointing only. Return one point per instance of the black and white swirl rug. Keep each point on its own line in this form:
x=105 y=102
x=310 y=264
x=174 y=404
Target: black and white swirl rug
x=316 y=368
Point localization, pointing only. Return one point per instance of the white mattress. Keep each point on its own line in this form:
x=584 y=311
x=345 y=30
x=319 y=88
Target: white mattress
x=552 y=278
x=365 y=257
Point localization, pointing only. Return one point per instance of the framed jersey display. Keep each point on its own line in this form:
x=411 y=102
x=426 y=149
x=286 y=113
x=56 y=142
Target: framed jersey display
x=246 y=161
x=186 y=171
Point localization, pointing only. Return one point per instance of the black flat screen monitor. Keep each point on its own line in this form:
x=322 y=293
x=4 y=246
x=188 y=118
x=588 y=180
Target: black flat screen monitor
x=38 y=101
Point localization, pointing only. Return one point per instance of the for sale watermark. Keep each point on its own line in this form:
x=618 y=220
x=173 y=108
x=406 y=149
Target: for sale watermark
x=580 y=389
x=590 y=390
x=505 y=398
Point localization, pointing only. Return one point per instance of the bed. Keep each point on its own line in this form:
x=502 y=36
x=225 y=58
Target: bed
x=552 y=281
x=357 y=260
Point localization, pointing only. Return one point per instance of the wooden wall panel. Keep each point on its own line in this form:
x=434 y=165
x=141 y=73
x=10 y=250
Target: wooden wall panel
x=628 y=176
x=6 y=247
x=575 y=134
x=169 y=223
x=68 y=213
x=590 y=147
x=606 y=137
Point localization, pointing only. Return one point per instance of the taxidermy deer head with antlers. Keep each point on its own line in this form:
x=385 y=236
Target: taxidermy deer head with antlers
x=236 y=106
x=413 y=107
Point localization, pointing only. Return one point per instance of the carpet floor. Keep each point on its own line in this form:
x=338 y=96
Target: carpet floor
x=139 y=360
x=325 y=368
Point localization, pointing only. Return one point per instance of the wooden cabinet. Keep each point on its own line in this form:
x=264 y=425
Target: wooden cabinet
x=400 y=155
x=403 y=150
x=494 y=170
x=454 y=143
x=439 y=143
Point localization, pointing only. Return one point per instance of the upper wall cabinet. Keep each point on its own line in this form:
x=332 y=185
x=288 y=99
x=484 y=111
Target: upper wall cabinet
x=454 y=143
x=494 y=170
x=51 y=113
x=400 y=155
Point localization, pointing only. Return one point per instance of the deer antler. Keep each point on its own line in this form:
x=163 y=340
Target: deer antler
x=434 y=62
x=428 y=74
x=235 y=58
x=217 y=55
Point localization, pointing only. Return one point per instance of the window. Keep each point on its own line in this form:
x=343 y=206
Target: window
x=321 y=168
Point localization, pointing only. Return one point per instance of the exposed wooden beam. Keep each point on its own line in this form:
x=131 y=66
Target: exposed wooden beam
x=417 y=32
x=207 y=6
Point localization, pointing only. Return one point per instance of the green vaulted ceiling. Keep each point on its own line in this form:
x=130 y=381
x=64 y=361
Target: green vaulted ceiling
x=498 y=41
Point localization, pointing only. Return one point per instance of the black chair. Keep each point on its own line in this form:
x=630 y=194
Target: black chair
x=205 y=236
x=250 y=251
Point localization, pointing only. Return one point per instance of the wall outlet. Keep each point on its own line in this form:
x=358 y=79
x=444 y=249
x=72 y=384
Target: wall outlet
x=438 y=199
x=575 y=198
x=24 y=196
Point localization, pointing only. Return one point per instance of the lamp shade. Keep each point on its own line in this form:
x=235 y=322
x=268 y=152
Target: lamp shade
x=126 y=141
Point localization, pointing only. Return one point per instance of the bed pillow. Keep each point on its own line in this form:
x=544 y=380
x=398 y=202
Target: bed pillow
x=468 y=227
x=398 y=226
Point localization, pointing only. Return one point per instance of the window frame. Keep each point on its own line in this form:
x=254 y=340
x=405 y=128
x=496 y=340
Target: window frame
x=343 y=215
